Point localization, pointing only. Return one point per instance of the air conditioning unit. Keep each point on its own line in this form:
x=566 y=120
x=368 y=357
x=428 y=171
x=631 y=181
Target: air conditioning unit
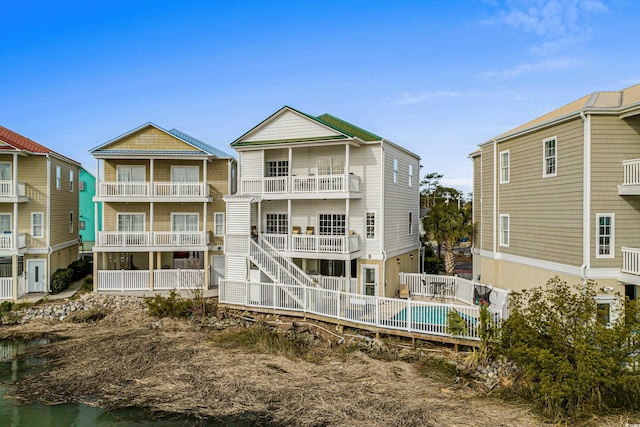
x=81 y=186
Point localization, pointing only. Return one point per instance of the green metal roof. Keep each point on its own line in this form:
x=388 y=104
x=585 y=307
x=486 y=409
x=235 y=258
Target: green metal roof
x=348 y=128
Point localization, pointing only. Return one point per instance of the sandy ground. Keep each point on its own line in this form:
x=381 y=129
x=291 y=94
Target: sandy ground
x=129 y=359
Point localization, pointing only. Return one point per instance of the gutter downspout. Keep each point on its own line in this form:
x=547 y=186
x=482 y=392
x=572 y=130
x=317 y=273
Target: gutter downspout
x=384 y=253
x=586 y=198
x=495 y=198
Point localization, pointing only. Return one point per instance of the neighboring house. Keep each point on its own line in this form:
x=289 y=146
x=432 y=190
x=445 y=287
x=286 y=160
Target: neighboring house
x=163 y=217
x=321 y=202
x=560 y=195
x=38 y=214
x=87 y=220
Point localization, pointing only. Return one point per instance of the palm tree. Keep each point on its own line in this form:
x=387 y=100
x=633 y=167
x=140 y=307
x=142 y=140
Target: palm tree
x=447 y=224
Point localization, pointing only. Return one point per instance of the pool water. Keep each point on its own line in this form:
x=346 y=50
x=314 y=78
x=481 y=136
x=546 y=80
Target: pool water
x=431 y=315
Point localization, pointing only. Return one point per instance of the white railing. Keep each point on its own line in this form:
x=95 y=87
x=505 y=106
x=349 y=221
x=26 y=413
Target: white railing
x=178 y=279
x=455 y=288
x=405 y=315
x=299 y=275
x=180 y=189
x=7 y=189
x=124 y=238
x=631 y=172
x=123 y=280
x=179 y=238
x=6 y=288
x=278 y=241
x=6 y=241
x=313 y=243
x=123 y=189
x=630 y=261
x=300 y=184
x=335 y=283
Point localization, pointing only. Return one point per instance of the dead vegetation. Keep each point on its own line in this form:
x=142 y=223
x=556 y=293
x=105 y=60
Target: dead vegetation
x=128 y=359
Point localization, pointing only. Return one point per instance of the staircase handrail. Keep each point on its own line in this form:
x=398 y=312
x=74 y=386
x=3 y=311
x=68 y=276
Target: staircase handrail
x=286 y=263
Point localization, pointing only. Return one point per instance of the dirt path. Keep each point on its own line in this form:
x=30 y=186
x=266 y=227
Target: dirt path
x=129 y=359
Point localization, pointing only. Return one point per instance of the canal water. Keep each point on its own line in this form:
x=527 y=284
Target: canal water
x=70 y=415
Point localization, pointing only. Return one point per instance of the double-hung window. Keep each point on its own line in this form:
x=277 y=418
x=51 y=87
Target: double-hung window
x=36 y=224
x=185 y=228
x=410 y=223
x=218 y=223
x=550 y=156
x=131 y=180
x=410 y=175
x=70 y=180
x=371 y=225
x=332 y=224
x=395 y=171
x=605 y=235
x=58 y=179
x=504 y=167
x=504 y=230
x=331 y=165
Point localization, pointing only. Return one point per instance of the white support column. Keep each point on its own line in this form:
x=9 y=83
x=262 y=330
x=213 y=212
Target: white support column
x=151 y=273
x=347 y=229
x=289 y=183
x=151 y=239
x=152 y=187
x=204 y=179
x=204 y=219
x=14 y=243
x=259 y=218
x=98 y=180
x=347 y=274
x=15 y=175
x=347 y=160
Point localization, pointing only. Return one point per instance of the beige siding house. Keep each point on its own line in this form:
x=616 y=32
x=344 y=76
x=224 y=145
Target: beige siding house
x=560 y=195
x=322 y=203
x=38 y=215
x=163 y=216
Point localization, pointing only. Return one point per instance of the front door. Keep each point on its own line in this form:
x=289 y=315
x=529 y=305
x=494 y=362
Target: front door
x=370 y=279
x=36 y=273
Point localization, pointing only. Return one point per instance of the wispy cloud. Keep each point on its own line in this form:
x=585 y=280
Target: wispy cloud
x=544 y=65
x=417 y=98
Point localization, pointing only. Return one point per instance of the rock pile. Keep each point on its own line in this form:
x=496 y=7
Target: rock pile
x=62 y=310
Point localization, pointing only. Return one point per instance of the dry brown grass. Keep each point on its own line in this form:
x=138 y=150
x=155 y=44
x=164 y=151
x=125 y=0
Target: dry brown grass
x=128 y=359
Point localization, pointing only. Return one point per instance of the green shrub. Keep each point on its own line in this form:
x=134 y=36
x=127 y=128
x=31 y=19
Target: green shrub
x=6 y=307
x=433 y=265
x=571 y=363
x=87 y=285
x=171 y=306
x=80 y=268
x=61 y=279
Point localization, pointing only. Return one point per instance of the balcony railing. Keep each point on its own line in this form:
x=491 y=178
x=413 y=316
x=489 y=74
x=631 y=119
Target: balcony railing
x=157 y=238
x=153 y=189
x=7 y=189
x=6 y=241
x=631 y=261
x=631 y=172
x=313 y=243
x=300 y=184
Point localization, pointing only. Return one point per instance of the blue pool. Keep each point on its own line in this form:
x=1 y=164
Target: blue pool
x=431 y=315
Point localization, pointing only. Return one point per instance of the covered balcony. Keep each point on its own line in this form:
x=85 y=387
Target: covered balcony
x=310 y=186
x=11 y=192
x=12 y=241
x=157 y=239
x=154 y=191
x=312 y=243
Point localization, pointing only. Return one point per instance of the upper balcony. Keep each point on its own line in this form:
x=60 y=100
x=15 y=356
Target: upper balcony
x=304 y=187
x=309 y=245
x=9 y=192
x=9 y=240
x=158 y=240
x=153 y=191
x=631 y=183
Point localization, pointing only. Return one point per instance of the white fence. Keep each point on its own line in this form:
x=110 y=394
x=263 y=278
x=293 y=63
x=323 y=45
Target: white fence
x=389 y=313
x=138 y=280
x=313 y=243
x=456 y=288
x=631 y=261
x=335 y=283
x=300 y=184
x=6 y=288
x=153 y=189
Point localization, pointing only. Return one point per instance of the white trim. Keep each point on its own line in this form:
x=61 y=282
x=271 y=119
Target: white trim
x=71 y=220
x=502 y=167
x=410 y=175
x=58 y=177
x=501 y=230
x=612 y=302
x=55 y=248
x=494 y=212
x=544 y=158
x=215 y=223
x=612 y=247
x=375 y=267
x=41 y=225
x=375 y=226
x=586 y=195
x=71 y=180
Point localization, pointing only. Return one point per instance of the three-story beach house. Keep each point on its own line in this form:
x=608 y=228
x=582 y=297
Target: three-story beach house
x=323 y=203
x=560 y=195
x=38 y=214
x=163 y=216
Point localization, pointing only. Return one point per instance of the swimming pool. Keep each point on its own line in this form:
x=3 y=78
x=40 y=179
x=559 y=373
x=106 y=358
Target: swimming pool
x=431 y=315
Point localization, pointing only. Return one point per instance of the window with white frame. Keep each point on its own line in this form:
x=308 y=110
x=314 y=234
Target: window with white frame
x=37 y=221
x=410 y=222
x=58 y=179
x=395 y=171
x=218 y=223
x=70 y=180
x=504 y=230
x=608 y=309
x=410 y=175
x=331 y=165
x=550 y=155
x=277 y=168
x=130 y=173
x=605 y=235
x=5 y=171
x=131 y=222
x=277 y=223
x=185 y=174
x=331 y=224
x=371 y=225
x=504 y=167
x=81 y=225
x=187 y=222
x=71 y=222
x=5 y=223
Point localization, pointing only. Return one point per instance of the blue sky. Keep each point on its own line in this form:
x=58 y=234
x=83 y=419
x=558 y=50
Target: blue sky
x=438 y=77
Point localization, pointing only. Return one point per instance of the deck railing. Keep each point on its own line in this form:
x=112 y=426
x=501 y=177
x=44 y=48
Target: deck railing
x=455 y=288
x=179 y=238
x=389 y=313
x=152 y=189
x=157 y=238
x=336 y=283
x=6 y=288
x=138 y=280
x=630 y=261
x=7 y=189
x=313 y=243
x=300 y=184
x=178 y=279
x=6 y=241
x=631 y=172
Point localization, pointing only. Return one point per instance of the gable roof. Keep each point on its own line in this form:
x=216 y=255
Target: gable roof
x=345 y=130
x=15 y=141
x=614 y=102
x=187 y=139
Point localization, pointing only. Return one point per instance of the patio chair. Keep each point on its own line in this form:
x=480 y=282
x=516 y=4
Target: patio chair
x=481 y=295
x=311 y=230
x=295 y=230
x=403 y=292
